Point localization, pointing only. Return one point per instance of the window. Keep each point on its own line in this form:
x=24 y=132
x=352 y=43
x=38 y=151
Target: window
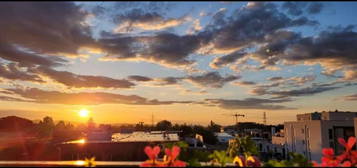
x=302 y=130
x=330 y=136
x=303 y=142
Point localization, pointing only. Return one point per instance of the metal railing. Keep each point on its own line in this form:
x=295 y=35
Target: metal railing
x=78 y=163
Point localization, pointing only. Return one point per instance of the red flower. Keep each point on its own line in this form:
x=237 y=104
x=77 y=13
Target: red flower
x=173 y=153
x=350 y=143
x=328 y=152
x=171 y=156
x=347 y=159
x=152 y=152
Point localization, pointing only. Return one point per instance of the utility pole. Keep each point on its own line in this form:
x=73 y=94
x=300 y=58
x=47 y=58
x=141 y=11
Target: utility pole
x=265 y=118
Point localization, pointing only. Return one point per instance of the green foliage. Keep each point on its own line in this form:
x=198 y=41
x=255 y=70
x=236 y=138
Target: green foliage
x=220 y=158
x=297 y=160
x=242 y=146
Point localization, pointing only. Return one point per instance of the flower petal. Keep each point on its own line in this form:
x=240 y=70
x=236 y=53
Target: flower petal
x=149 y=152
x=156 y=150
x=175 y=152
x=342 y=141
x=351 y=142
x=327 y=151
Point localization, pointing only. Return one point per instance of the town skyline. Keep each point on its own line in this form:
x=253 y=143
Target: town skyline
x=186 y=62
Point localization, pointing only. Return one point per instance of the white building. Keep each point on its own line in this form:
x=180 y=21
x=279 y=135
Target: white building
x=314 y=131
x=223 y=137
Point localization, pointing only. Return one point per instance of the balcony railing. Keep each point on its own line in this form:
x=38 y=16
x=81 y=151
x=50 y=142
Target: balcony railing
x=76 y=163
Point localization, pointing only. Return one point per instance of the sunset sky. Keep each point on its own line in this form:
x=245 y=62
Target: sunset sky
x=187 y=62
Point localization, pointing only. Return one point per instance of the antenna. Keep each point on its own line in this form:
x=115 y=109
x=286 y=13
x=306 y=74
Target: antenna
x=152 y=119
x=265 y=118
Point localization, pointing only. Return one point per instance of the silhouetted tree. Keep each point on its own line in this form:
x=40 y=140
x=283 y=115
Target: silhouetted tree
x=46 y=127
x=163 y=125
x=214 y=127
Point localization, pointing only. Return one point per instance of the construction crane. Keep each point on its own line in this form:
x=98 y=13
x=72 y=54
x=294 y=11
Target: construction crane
x=236 y=116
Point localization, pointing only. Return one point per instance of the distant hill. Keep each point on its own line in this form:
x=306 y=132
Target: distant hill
x=13 y=123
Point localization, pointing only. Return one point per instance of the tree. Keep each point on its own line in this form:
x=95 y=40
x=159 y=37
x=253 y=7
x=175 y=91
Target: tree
x=46 y=127
x=164 y=125
x=208 y=136
x=214 y=127
x=242 y=146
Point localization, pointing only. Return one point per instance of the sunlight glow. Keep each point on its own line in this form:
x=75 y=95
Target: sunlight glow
x=79 y=162
x=84 y=113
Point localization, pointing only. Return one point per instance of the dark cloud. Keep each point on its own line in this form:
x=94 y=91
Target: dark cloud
x=85 y=98
x=245 y=83
x=211 y=79
x=250 y=24
x=249 y=103
x=299 y=8
x=83 y=81
x=277 y=78
x=245 y=27
x=307 y=91
x=139 y=78
x=227 y=59
x=333 y=49
x=140 y=19
x=153 y=6
x=13 y=72
x=315 y=8
x=167 y=81
x=164 y=48
x=43 y=27
x=12 y=53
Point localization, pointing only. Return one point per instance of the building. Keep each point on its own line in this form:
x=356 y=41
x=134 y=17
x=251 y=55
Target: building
x=223 y=137
x=121 y=147
x=314 y=131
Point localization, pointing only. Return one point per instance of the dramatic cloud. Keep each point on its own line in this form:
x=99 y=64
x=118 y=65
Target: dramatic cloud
x=55 y=28
x=277 y=78
x=139 y=78
x=249 y=25
x=13 y=72
x=83 y=81
x=85 y=98
x=227 y=59
x=167 y=81
x=137 y=18
x=211 y=79
x=11 y=52
x=249 y=103
x=245 y=83
x=298 y=8
x=303 y=91
x=165 y=48
x=333 y=49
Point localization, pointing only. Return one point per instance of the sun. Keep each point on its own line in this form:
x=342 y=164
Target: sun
x=84 y=113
